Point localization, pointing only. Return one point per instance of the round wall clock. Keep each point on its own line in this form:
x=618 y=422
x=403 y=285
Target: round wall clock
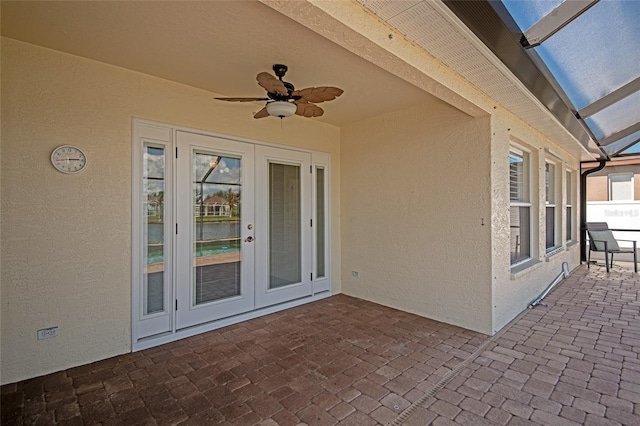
x=68 y=159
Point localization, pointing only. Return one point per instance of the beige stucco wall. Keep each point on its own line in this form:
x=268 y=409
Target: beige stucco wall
x=598 y=188
x=513 y=291
x=415 y=195
x=417 y=187
x=66 y=239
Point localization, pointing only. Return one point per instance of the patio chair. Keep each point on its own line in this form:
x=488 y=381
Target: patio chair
x=601 y=239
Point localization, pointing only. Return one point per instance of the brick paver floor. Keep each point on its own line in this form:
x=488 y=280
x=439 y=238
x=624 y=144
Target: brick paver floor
x=348 y=361
x=572 y=362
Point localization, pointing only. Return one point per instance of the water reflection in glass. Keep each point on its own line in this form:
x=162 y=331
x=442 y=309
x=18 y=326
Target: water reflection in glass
x=216 y=227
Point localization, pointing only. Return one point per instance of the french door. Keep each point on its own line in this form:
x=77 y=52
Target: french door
x=223 y=228
x=283 y=225
x=243 y=232
x=214 y=221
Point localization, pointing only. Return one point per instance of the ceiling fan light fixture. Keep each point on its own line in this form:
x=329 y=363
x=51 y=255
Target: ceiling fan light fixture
x=281 y=109
x=283 y=100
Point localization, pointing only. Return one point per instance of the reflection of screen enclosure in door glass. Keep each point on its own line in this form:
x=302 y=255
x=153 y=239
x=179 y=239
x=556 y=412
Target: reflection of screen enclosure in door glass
x=153 y=216
x=216 y=227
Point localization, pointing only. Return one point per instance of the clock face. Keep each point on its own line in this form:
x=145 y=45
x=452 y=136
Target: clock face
x=68 y=159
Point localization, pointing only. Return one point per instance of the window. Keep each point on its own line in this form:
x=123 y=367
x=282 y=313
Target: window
x=621 y=187
x=550 y=218
x=285 y=216
x=520 y=206
x=320 y=223
x=569 y=207
x=154 y=278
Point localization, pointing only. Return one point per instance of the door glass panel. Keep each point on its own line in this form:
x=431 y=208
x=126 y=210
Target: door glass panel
x=520 y=233
x=320 y=223
x=550 y=227
x=285 y=246
x=216 y=227
x=154 y=213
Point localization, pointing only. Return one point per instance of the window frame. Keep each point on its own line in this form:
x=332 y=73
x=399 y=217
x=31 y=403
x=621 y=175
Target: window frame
x=551 y=203
x=321 y=282
x=610 y=182
x=570 y=222
x=522 y=201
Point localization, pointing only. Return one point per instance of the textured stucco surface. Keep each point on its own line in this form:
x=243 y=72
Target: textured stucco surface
x=66 y=239
x=598 y=188
x=415 y=196
x=512 y=293
x=417 y=185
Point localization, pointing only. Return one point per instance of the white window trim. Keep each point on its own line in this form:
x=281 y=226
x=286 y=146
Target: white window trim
x=554 y=186
x=524 y=153
x=570 y=201
x=610 y=186
x=322 y=161
x=152 y=133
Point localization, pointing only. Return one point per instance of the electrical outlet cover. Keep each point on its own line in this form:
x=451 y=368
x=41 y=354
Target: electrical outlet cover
x=47 y=333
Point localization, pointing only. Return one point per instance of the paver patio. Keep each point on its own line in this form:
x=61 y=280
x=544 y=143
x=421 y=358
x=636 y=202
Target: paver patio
x=348 y=361
x=572 y=362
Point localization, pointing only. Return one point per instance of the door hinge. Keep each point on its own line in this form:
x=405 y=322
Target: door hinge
x=311 y=220
x=176 y=152
x=310 y=169
x=311 y=276
x=176 y=229
x=176 y=304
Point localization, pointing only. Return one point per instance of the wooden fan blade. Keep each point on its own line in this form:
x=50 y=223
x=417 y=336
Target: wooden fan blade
x=306 y=109
x=262 y=113
x=241 y=99
x=318 y=94
x=271 y=84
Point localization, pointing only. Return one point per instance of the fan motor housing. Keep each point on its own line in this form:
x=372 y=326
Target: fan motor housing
x=280 y=70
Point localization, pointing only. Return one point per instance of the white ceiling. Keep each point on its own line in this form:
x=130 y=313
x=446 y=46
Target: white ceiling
x=218 y=46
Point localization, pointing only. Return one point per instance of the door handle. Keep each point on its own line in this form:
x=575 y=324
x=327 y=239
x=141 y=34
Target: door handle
x=249 y=239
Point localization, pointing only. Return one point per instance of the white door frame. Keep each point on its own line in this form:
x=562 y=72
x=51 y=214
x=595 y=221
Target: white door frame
x=188 y=313
x=144 y=333
x=266 y=155
x=159 y=322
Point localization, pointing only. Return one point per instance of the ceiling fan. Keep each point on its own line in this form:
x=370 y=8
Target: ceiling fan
x=283 y=100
